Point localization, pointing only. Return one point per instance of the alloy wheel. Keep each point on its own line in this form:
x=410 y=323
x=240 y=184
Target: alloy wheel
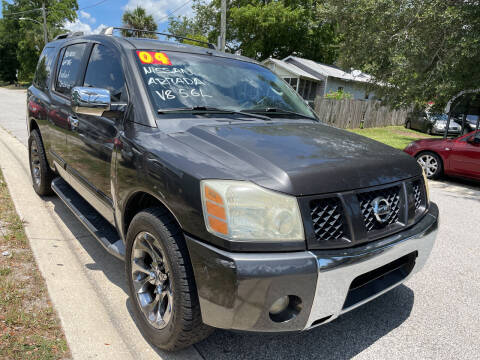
x=151 y=280
x=35 y=163
x=429 y=164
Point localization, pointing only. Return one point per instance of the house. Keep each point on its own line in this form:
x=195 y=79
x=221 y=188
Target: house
x=311 y=79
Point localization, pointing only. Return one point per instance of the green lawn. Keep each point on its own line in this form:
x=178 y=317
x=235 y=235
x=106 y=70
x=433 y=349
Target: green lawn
x=395 y=136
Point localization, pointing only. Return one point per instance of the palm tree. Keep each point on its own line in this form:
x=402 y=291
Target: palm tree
x=138 y=19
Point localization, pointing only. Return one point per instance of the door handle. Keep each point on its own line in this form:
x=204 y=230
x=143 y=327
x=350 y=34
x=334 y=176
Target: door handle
x=73 y=122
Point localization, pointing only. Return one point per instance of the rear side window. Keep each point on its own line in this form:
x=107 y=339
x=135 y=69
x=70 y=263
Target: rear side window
x=104 y=71
x=69 y=68
x=44 y=68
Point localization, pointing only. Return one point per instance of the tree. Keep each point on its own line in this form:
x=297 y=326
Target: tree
x=26 y=36
x=339 y=95
x=138 y=19
x=260 y=29
x=8 y=52
x=416 y=50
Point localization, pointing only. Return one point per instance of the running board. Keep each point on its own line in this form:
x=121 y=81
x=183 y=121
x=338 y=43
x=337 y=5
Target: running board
x=100 y=228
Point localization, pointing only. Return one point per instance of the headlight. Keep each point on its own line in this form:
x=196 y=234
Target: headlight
x=240 y=210
x=425 y=180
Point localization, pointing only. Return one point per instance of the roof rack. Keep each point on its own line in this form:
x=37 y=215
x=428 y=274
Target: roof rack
x=109 y=31
x=68 y=35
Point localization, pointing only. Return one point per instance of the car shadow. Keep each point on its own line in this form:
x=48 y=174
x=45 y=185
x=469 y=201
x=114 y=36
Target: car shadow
x=457 y=187
x=112 y=267
x=343 y=338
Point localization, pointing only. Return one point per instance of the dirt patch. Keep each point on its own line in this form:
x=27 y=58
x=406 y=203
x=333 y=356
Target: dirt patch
x=29 y=326
x=411 y=134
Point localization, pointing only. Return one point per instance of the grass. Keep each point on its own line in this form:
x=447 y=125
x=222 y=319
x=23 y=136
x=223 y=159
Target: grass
x=19 y=86
x=395 y=136
x=29 y=326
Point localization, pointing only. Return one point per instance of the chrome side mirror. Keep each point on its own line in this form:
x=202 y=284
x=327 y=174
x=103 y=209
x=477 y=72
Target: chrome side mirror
x=90 y=101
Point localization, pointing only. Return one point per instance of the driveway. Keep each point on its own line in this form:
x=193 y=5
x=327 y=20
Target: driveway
x=434 y=315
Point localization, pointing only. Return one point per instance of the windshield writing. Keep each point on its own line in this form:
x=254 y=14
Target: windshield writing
x=177 y=80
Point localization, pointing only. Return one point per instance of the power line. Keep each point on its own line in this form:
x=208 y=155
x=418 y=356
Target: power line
x=174 y=11
x=38 y=9
x=93 y=5
x=21 y=12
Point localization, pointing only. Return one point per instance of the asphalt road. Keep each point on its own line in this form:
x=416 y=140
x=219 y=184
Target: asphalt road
x=432 y=316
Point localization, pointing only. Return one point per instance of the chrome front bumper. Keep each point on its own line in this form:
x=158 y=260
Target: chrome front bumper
x=337 y=270
x=236 y=290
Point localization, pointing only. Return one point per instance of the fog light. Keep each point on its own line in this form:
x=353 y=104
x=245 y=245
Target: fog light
x=285 y=308
x=279 y=305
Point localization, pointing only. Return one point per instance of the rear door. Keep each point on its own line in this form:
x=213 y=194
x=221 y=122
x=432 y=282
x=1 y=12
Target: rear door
x=415 y=120
x=465 y=158
x=68 y=71
x=91 y=142
x=38 y=95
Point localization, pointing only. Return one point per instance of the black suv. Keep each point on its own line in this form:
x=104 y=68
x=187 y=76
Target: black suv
x=231 y=204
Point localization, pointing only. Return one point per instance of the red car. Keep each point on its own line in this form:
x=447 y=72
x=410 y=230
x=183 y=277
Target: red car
x=456 y=157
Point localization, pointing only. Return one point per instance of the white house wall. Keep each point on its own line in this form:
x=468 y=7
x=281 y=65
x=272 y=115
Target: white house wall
x=356 y=89
x=280 y=71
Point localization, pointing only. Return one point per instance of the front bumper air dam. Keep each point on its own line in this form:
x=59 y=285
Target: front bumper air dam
x=236 y=290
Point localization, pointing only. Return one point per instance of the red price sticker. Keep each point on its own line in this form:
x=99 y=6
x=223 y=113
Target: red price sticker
x=152 y=57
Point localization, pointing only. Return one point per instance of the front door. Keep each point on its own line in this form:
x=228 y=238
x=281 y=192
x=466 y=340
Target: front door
x=465 y=158
x=91 y=141
x=67 y=73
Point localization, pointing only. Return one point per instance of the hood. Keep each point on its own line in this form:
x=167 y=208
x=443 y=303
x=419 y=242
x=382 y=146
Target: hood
x=300 y=158
x=427 y=142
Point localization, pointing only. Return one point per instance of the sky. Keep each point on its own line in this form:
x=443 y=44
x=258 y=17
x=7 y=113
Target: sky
x=93 y=15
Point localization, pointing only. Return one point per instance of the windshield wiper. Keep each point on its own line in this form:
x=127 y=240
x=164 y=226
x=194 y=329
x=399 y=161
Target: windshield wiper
x=278 y=111
x=209 y=109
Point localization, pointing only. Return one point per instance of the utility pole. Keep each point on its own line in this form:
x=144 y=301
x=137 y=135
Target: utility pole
x=44 y=15
x=223 y=25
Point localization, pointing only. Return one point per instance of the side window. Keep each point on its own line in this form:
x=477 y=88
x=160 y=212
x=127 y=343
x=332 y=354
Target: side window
x=105 y=71
x=69 y=68
x=44 y=68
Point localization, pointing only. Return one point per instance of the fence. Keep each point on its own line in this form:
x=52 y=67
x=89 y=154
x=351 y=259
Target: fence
x=351 y=114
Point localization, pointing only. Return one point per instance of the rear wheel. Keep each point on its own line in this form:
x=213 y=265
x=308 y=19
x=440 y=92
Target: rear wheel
x=431 y=163
x=41 y=173
x=161 y=282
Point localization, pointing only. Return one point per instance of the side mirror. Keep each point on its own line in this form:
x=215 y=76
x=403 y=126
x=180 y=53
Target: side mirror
x=90 y=101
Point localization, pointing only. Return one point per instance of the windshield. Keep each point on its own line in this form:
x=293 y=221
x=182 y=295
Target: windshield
x=177 y=80
x=441 y=117
x=472 y=118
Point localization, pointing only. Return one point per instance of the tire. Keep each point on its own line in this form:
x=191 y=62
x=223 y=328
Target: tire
x=431 y=163
x=408 y=125
x=154 y=233
x=40 y=171
x=429 y=131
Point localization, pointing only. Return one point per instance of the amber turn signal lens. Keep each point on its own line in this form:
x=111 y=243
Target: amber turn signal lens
x=216 y=213
x=216 y=210
x=212 y=195
x=218 y=225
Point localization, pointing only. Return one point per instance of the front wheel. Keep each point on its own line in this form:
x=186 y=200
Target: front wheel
x=161 y=282
x=431 y=163
x=41 y=173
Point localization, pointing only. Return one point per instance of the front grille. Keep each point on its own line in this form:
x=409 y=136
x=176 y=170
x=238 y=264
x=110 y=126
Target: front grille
x=392 y=195
x=328 y=219
x=417 y=193
x=377 y=280
x=347 y=219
